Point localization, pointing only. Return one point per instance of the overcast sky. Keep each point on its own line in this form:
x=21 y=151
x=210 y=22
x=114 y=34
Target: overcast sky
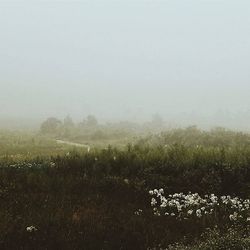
x=124 y=59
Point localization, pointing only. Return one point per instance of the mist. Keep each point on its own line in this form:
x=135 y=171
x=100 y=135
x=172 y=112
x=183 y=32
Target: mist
x=126 y=60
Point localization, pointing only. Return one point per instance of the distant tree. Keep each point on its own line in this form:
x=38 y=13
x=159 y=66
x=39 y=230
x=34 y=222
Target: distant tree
x=68 y=122
x=51 y=125
x=91 y=121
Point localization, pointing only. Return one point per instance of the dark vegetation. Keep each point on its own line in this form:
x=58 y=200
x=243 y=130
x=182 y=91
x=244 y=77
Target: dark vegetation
x=91 y=131
x=88 y=200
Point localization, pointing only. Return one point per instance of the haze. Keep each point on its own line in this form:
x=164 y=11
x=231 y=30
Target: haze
x=185 y=60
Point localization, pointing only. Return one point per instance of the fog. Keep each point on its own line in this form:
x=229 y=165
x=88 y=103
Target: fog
x=126 y=60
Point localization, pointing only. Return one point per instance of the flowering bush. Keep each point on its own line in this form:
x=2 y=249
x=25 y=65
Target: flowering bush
x=193 y=206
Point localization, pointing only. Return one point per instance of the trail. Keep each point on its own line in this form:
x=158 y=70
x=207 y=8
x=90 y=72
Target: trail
x=73 y=144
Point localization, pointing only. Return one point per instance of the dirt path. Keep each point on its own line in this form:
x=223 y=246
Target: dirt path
x=73 y=144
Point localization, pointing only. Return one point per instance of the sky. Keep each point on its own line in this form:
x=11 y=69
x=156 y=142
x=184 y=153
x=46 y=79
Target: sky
x=124 y=59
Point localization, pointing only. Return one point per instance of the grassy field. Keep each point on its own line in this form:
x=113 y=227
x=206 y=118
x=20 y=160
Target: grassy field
x=55 y=196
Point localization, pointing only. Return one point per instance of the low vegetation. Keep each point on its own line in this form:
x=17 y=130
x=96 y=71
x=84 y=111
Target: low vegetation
x=136 y=197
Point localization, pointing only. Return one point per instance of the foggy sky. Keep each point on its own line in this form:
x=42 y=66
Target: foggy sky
x=124 y=59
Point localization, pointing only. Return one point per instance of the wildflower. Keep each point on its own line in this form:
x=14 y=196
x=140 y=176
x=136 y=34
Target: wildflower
x=157 y=213
x=179 y=208
x=198 y=213
x=155 y=191
x=153 y=202
x=161 y=191
x=163 y=204
x=151 y=192
x=52 y=164
x=126 y=181
x=233 y=217
x=234 y=201
x=183 y=206
x=213 y=198
x=138 y=212
x=31 y=229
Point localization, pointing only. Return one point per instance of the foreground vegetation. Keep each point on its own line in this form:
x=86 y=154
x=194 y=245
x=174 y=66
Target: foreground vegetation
x=101 y=199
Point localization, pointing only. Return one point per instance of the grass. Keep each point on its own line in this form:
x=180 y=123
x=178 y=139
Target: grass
x=88 y=200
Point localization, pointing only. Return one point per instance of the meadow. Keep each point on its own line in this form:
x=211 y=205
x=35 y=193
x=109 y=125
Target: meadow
x=178 y=189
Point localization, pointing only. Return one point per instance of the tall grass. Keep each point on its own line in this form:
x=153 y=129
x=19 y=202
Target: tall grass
x=99 y=199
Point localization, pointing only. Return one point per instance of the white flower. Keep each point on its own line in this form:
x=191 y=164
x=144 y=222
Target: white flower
x=151 y=192
x=233 y=216
x=155 y=191
x=157 y=213
x=138 y=212
x=153 y=202
x=161 y=191
x=223 y=197
x=194 y=204
x=126 y=181
x=198 y=213
x=31 y=229
x=163 y=204
x=179 y=208
x=52 y=164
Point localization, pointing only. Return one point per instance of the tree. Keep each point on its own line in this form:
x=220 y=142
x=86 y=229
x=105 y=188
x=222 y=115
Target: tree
x=51 y=125
x=68 y=122
x=91 y=121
